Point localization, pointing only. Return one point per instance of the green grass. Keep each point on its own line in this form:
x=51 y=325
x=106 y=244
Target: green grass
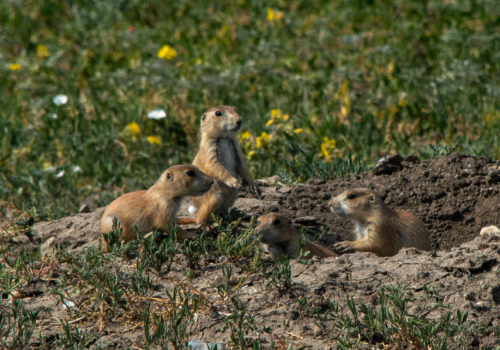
x=375 y=76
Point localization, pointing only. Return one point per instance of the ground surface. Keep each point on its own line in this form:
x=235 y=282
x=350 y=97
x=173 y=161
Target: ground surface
x=454 y=195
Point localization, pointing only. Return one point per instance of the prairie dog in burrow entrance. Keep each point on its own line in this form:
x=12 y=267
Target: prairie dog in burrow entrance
x=220 y=156
x=280 y=237
x=379 y=229
x=156 y=207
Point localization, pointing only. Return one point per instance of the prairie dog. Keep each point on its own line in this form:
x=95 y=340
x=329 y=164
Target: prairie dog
x=379 y=229
x=279 y=237
x=220 y=156
x=157 y=207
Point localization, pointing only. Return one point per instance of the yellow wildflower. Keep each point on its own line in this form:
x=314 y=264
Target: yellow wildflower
x=15 y=66
x=279 y=16
x=270 y=14
x=275 y=113
x=167 y=52
x=284 y=117
x=134 y=129
x=298 y=131
x=246 y=135
x=154 y=140
x=41 y=51
x=263 y=139
x=327 y=146
x=270 y=122
x=251 y=154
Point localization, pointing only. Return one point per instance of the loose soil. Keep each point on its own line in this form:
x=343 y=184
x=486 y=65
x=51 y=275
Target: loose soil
x=455 y=196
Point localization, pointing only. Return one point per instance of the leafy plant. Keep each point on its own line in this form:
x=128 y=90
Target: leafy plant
x=18 y=323
x=394 y=323
x=280 y=276
x=175 y=327
x=234 y=245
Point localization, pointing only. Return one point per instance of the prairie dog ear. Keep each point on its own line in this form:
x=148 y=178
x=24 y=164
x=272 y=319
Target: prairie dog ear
x=371 y=198
x=203 y=117
x=169 y=176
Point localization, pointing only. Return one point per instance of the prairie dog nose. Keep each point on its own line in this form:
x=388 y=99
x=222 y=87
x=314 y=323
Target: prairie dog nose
x=239 y=122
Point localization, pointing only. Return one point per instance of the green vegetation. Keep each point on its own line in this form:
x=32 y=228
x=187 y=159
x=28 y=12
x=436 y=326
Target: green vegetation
x=360 y=78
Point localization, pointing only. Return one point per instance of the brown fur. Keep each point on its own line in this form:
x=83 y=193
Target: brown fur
x=157 y=207
x=220 y=156
x=379 y=229
x=279 y=237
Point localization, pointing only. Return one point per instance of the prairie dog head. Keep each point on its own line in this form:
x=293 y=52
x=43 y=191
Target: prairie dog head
x=185 y=180
x=275 y=229
x=221 y=121
x=357 y=204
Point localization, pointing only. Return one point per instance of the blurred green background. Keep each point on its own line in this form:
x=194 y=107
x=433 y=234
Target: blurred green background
x=317 y=83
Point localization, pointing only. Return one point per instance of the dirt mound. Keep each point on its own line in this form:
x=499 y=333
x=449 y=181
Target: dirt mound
x=454 y=195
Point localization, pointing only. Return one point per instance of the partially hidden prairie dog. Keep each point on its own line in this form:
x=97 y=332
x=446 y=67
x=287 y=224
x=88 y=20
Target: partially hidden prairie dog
x=220 y=156
x=157 y=207
x=279 y=237
x=379 y=229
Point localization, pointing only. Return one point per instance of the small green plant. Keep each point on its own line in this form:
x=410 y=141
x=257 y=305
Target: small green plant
x=70 y=339
x=99 y=278
x=394 y=323
x=18 y=323
x=112 y=239
x=280 y=276
x=233 y=245
x=194 y=250
x=140 y=283
x=159 y=256
x=173 y=329
x=239 y=322
x=444 y=150
x=303 y=306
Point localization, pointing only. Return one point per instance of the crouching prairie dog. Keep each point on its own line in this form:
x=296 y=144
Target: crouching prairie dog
x=280 y=237
x=379 y=229
x=220 y=156
x=157 y=207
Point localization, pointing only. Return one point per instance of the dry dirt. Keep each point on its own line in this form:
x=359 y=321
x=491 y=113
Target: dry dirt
x=454 y=195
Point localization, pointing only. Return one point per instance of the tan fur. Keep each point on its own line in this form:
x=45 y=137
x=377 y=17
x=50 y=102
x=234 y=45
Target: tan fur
x=279 y=237
x=157 y=207
x=379 y=229
x=220 y=156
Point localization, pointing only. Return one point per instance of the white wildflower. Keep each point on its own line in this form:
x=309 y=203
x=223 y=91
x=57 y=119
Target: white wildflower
x=60 y=100
x=60 y=174
x=76 y=169
x=157 y=114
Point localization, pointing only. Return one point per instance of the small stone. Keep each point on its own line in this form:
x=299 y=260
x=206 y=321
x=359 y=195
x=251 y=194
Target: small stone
x=469 y=296
x=204 y=345
x=317 y=331
x=489 y=231
x=84 y=209
x=48 y=243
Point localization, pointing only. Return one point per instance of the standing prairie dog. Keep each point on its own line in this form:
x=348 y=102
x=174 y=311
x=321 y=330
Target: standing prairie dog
x=157 y=207
x=379 y=229
x=279 y=237
x=220 y=156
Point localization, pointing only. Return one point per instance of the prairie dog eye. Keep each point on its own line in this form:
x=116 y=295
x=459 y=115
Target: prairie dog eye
x=190 y=173
x=218 y=113
x=351 y=196
x=276 y=222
